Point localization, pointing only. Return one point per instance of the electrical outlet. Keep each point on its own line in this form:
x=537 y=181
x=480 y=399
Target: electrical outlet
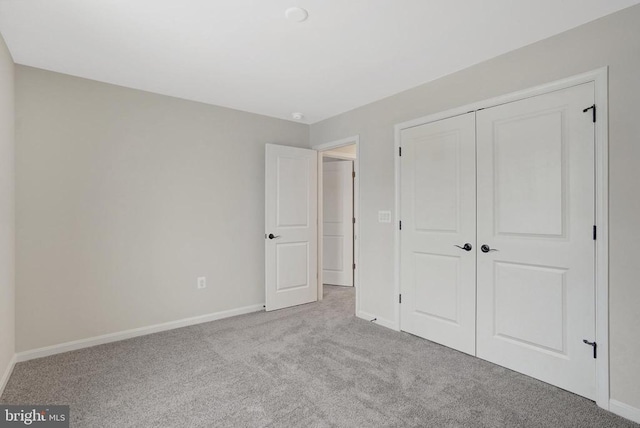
x=202 y=282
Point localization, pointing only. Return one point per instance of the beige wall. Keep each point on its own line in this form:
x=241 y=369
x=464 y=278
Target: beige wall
x=124 y=198
x=612 y=41
x=7 y=229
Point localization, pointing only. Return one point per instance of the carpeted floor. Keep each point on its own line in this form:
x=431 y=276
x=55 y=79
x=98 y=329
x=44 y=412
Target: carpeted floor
x=314 y=365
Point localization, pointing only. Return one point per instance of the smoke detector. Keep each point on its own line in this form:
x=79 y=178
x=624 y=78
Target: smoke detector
x=297 y=116
x=296 y=14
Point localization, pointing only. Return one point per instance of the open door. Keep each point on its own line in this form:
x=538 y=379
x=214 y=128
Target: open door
x=337 y=196
x=291 y=189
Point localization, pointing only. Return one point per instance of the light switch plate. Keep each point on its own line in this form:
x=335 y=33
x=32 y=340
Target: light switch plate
x=384 y=216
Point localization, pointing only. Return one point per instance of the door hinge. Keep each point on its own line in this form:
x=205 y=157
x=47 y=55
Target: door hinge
x=353 y=174
x=400 y=224
x=594 y=345
x=354 y=220
x=354 y=266
x=593 y=108
x=595 y=232
x=399 y=151
x=400 y=298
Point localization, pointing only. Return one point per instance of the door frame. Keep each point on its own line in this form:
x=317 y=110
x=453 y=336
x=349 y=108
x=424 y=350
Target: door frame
x=600 y=78
x=322 y=149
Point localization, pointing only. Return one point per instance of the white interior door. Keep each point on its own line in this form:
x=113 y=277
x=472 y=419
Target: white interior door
x=291 y=190
x=536 y=213
x=438 y=205
x=337 y=208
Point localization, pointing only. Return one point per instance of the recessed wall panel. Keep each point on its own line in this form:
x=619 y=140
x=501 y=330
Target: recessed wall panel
x=292 y=188
x=529 y=171
x=292 y=265
x=436 y=185
x=332 y=195
x=333 y=253
x=530 y=305
x=436 y=283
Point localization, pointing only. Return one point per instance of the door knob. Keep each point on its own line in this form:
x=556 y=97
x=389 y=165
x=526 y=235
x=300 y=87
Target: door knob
x=485 y=248
x=466 y=247
x=272 y=236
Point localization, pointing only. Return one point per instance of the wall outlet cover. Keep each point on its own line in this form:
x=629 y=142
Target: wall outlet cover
x=202 y=282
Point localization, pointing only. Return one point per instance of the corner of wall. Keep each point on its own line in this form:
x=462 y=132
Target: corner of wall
x=7 y=374
x=7 y=215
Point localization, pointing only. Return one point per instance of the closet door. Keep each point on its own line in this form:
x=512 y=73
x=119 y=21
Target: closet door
x=438 y=205
x=536 y=300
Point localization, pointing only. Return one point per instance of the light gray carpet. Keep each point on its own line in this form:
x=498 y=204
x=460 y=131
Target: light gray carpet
x=315 y=365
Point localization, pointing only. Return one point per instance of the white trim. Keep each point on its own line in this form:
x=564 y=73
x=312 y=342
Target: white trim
x=396 y=228
x=601 y=83
x=590 y=76
x=372 y=318
x=355 y=139
x=7 y=374
x=624 y=410
x=128 y=334
x=600 y=79
x=336 y=155
x=320 y=229
x=325 y=147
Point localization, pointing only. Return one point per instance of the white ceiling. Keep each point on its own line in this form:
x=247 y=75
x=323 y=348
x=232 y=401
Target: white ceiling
x=245 y=55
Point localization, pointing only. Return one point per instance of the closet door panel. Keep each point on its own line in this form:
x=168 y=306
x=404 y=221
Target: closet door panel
x=438 y=212
x=536 y=291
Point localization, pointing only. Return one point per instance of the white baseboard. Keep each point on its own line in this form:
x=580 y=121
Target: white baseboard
x=128 y=334
x=624 y=410
x=7 y=374
x=380 y=321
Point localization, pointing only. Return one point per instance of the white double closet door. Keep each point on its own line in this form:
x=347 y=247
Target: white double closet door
x=516 y=183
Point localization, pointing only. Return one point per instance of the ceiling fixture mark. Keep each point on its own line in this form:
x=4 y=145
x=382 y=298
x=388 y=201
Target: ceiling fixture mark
x=296 y=14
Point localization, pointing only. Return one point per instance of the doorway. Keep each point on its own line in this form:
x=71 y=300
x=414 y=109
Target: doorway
x=294 y=222
x=338 y=210
x=337 y=202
